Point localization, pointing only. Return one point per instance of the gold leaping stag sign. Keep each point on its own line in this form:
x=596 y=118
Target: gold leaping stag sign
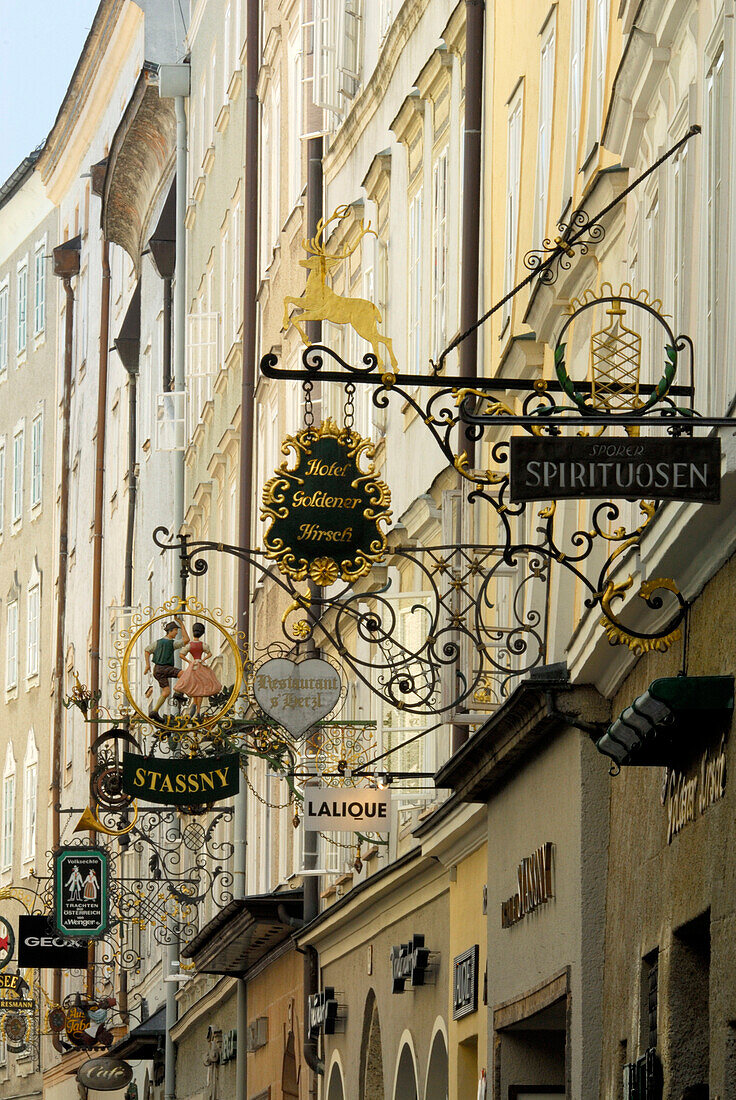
x=319 y=302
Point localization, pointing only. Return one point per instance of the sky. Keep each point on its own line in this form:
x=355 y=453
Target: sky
x=40 y=44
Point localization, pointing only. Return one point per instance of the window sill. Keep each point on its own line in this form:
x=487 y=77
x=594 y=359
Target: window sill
x=199 y=186
x=17 y=526
x=236 y=83
x=20 y=358
x=39 y=339
x=223 y=118
x=209 y=159
x=32 y=681
x=191 y=215
x=36 y=510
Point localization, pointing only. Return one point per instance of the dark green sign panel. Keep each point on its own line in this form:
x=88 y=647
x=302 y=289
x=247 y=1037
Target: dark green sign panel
x=81 y=891
x=181 y=782
x=326 y=513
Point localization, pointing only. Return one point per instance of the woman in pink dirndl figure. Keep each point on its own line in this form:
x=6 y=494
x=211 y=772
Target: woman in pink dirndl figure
x=197 y=681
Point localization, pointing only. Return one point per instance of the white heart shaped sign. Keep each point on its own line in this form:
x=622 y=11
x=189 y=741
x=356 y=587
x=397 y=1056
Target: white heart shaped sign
x=296 y=695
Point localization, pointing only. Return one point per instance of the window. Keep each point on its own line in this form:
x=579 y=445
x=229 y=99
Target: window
x=236 y=271
x=22 y=287
x=600 y=55
x=11 y=646
x=415 y=281
x=8 y=809
x=36 y=459
x=33 y=627
x=226 y=60
x=715 y=234
x=17 y=512
x=337 y=53
x=30 y=792
x=680 y=200
x=295 y=120
x=4 y=327
x=439 y=248
x=275 y=181
x=2 y=484
x=577 y=62
x=544 y=139
x=513 y=169
x=39 y=312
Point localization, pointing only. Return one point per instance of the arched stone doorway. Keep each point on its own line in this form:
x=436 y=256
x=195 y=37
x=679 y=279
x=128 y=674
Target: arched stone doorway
x=371 y=1054
x=406 y=1076
x=438 y=1071
x=335 y=1090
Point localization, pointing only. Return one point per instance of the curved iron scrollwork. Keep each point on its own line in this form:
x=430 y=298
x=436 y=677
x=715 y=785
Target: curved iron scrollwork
x=575 y=239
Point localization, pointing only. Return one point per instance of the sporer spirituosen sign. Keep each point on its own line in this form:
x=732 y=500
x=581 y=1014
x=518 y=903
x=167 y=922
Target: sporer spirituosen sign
x=629 y=468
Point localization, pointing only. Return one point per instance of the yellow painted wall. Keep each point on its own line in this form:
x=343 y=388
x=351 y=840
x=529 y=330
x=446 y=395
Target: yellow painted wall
x=467 y=1045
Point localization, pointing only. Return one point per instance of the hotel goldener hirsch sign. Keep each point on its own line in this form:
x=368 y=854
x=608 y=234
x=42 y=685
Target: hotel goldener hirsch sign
x=326 y=512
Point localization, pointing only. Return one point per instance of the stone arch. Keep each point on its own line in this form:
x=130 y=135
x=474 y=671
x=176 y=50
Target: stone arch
x=437 y=1084
x=405 y=1079
x=336 y=1088
x=371 y=1052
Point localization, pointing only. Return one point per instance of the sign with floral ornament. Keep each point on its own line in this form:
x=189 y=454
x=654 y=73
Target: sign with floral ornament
x=326 y=512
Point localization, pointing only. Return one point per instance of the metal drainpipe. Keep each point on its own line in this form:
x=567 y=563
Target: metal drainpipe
x=315 y=211
x=63 y=265
x=97 y=526
x=470 y=263
x=247 y=487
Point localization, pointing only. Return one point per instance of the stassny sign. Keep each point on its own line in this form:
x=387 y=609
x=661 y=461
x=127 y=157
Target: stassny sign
x=346 y=810
x=632 y=468
x=181 y=782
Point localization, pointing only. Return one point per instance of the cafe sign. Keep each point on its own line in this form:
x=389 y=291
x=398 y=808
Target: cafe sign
x=104 y=1074
x=346 y=810
x=578 y=468
x=181 y=782
x=296 y=695
x=81 y=892
x=326 y=512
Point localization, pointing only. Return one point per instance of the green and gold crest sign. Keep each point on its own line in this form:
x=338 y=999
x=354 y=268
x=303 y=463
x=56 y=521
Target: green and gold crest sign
x=326 y=513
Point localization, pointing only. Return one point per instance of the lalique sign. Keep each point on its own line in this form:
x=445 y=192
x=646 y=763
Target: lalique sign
x=296 y=695
x=81 y=892
x=326 y=512
x=346 y=810
x=637 y=468
x=181 y=782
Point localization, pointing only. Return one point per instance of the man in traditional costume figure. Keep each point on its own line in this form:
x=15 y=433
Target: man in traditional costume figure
x=163 y=654
x=75 y=882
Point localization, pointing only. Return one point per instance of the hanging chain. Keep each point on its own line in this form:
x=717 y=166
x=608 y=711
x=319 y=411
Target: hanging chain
x=349 y=405
x=308 y=386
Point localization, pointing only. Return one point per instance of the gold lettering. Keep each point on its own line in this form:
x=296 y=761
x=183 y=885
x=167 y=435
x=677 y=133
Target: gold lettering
x=166 y=784
x=140 y=777
x=205 y=778
x=192 y=783
x=223 y=775
x=181 y=783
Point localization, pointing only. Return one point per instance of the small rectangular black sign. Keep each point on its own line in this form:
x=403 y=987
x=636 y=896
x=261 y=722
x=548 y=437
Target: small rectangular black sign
x=181 y=782
x=638 y=469
x=465 y=983
x=41 y=945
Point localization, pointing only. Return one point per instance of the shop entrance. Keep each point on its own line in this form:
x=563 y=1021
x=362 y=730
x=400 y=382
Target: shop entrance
x=530 y=1048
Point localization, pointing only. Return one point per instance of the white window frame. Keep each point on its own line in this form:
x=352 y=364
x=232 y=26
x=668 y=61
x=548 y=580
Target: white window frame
x=416 y=261
x=513 y=183
x=714 y=191
x=16 y=511
x=295 y=116
x=235 y=245
x=4 y=317
x=6 y=846
x=680 y=242
x=226 y=48
x=39 y=292
x=2 y=485
x=578 y=21
x=547 y=54
x=36 y=460
x=33 y=628
x=11 y=645
x=30 y=799
x=440 y=172
x=21 y=285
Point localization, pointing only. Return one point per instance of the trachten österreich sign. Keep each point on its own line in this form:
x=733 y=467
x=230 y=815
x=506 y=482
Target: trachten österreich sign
x=296 y=695
x=326 y=512
x=81 y=892
x=346 y=809
x=181 y=782
x=634 y=468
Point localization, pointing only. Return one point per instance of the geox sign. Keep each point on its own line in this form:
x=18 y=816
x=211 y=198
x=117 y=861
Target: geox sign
x=534 y=888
